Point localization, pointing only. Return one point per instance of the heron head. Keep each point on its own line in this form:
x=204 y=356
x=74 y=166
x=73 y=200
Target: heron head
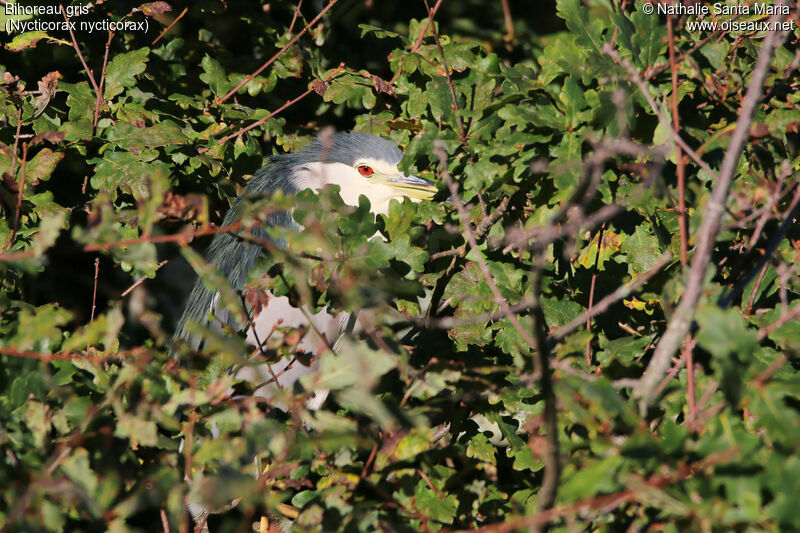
x=359 y=163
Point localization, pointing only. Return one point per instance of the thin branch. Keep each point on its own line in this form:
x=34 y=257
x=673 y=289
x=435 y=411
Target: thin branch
x=428 y=22
x=80 y=55
x=418 y=42
x=681 y=320
x=462 y=133
x=480 y=231
x=664 y=121
x=18 y=207
x=163 y=33
x=278 y=54
x=164 y=521
x=141 y=280
x=509 y=36
x=621 y=292
x=681 y=163
x=102 y=83
x=94 y=292
x=294 y=16
x=787 y=317
x=541 y=367
x=591 y=291
x=290 y=103
x=484 y=268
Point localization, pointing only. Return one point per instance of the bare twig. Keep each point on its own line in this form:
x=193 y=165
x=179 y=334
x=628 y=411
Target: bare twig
x=163 y=33
x=461 y=132
x=591 y=291
x=682 y=319
x=650 y=100
x=621 y=292
x=480 y=231
x=94 y=291
x=164 y=521
x=428 y=22
x=484 y=268
x=80 y=55
x=294 y=16
x=290 y=103
x=509 y=36
x=18 y=207
x=681 y=163
x=102 y=83
x=141 y=280
x=418 y=42
x=788 y=316
x=279 y=53
x=541 y=366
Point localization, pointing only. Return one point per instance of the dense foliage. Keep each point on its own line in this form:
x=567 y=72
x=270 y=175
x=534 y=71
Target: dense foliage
x=472 y=393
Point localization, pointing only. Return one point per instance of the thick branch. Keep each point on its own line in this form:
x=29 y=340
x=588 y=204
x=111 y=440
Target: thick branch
x=682 y=319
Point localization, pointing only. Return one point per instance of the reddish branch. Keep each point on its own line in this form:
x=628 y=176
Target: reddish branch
x=102 y=83
x=431 y=13
x=179 y=17
x=279 y=53
x=72 y=356
x=80 y=56
x=182 y=238
x=604 y=504
x=313 y=88
x=461 y=132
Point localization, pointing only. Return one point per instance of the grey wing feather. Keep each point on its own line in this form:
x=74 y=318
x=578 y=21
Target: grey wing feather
x=232 y=256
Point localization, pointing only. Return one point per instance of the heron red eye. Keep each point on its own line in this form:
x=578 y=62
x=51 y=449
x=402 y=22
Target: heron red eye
x=364 y=170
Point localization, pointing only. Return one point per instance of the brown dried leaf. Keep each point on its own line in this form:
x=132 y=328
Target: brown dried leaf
x=381 y=85
x=153 y=9
x=257 y=299
x=177 y=207
x=51 y=136
x=9 y=78
x=319 y=87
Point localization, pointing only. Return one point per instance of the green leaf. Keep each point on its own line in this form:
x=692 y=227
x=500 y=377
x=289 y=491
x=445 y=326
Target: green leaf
x=440 y=507
x=122 y=71
x=26 y=40
x=480 y=448
x=641 y=250
x=215 y=77
x=42 y=165
x=129 y=137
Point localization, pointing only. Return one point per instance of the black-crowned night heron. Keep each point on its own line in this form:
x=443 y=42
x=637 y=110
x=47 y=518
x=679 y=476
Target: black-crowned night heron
x=360 y=164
